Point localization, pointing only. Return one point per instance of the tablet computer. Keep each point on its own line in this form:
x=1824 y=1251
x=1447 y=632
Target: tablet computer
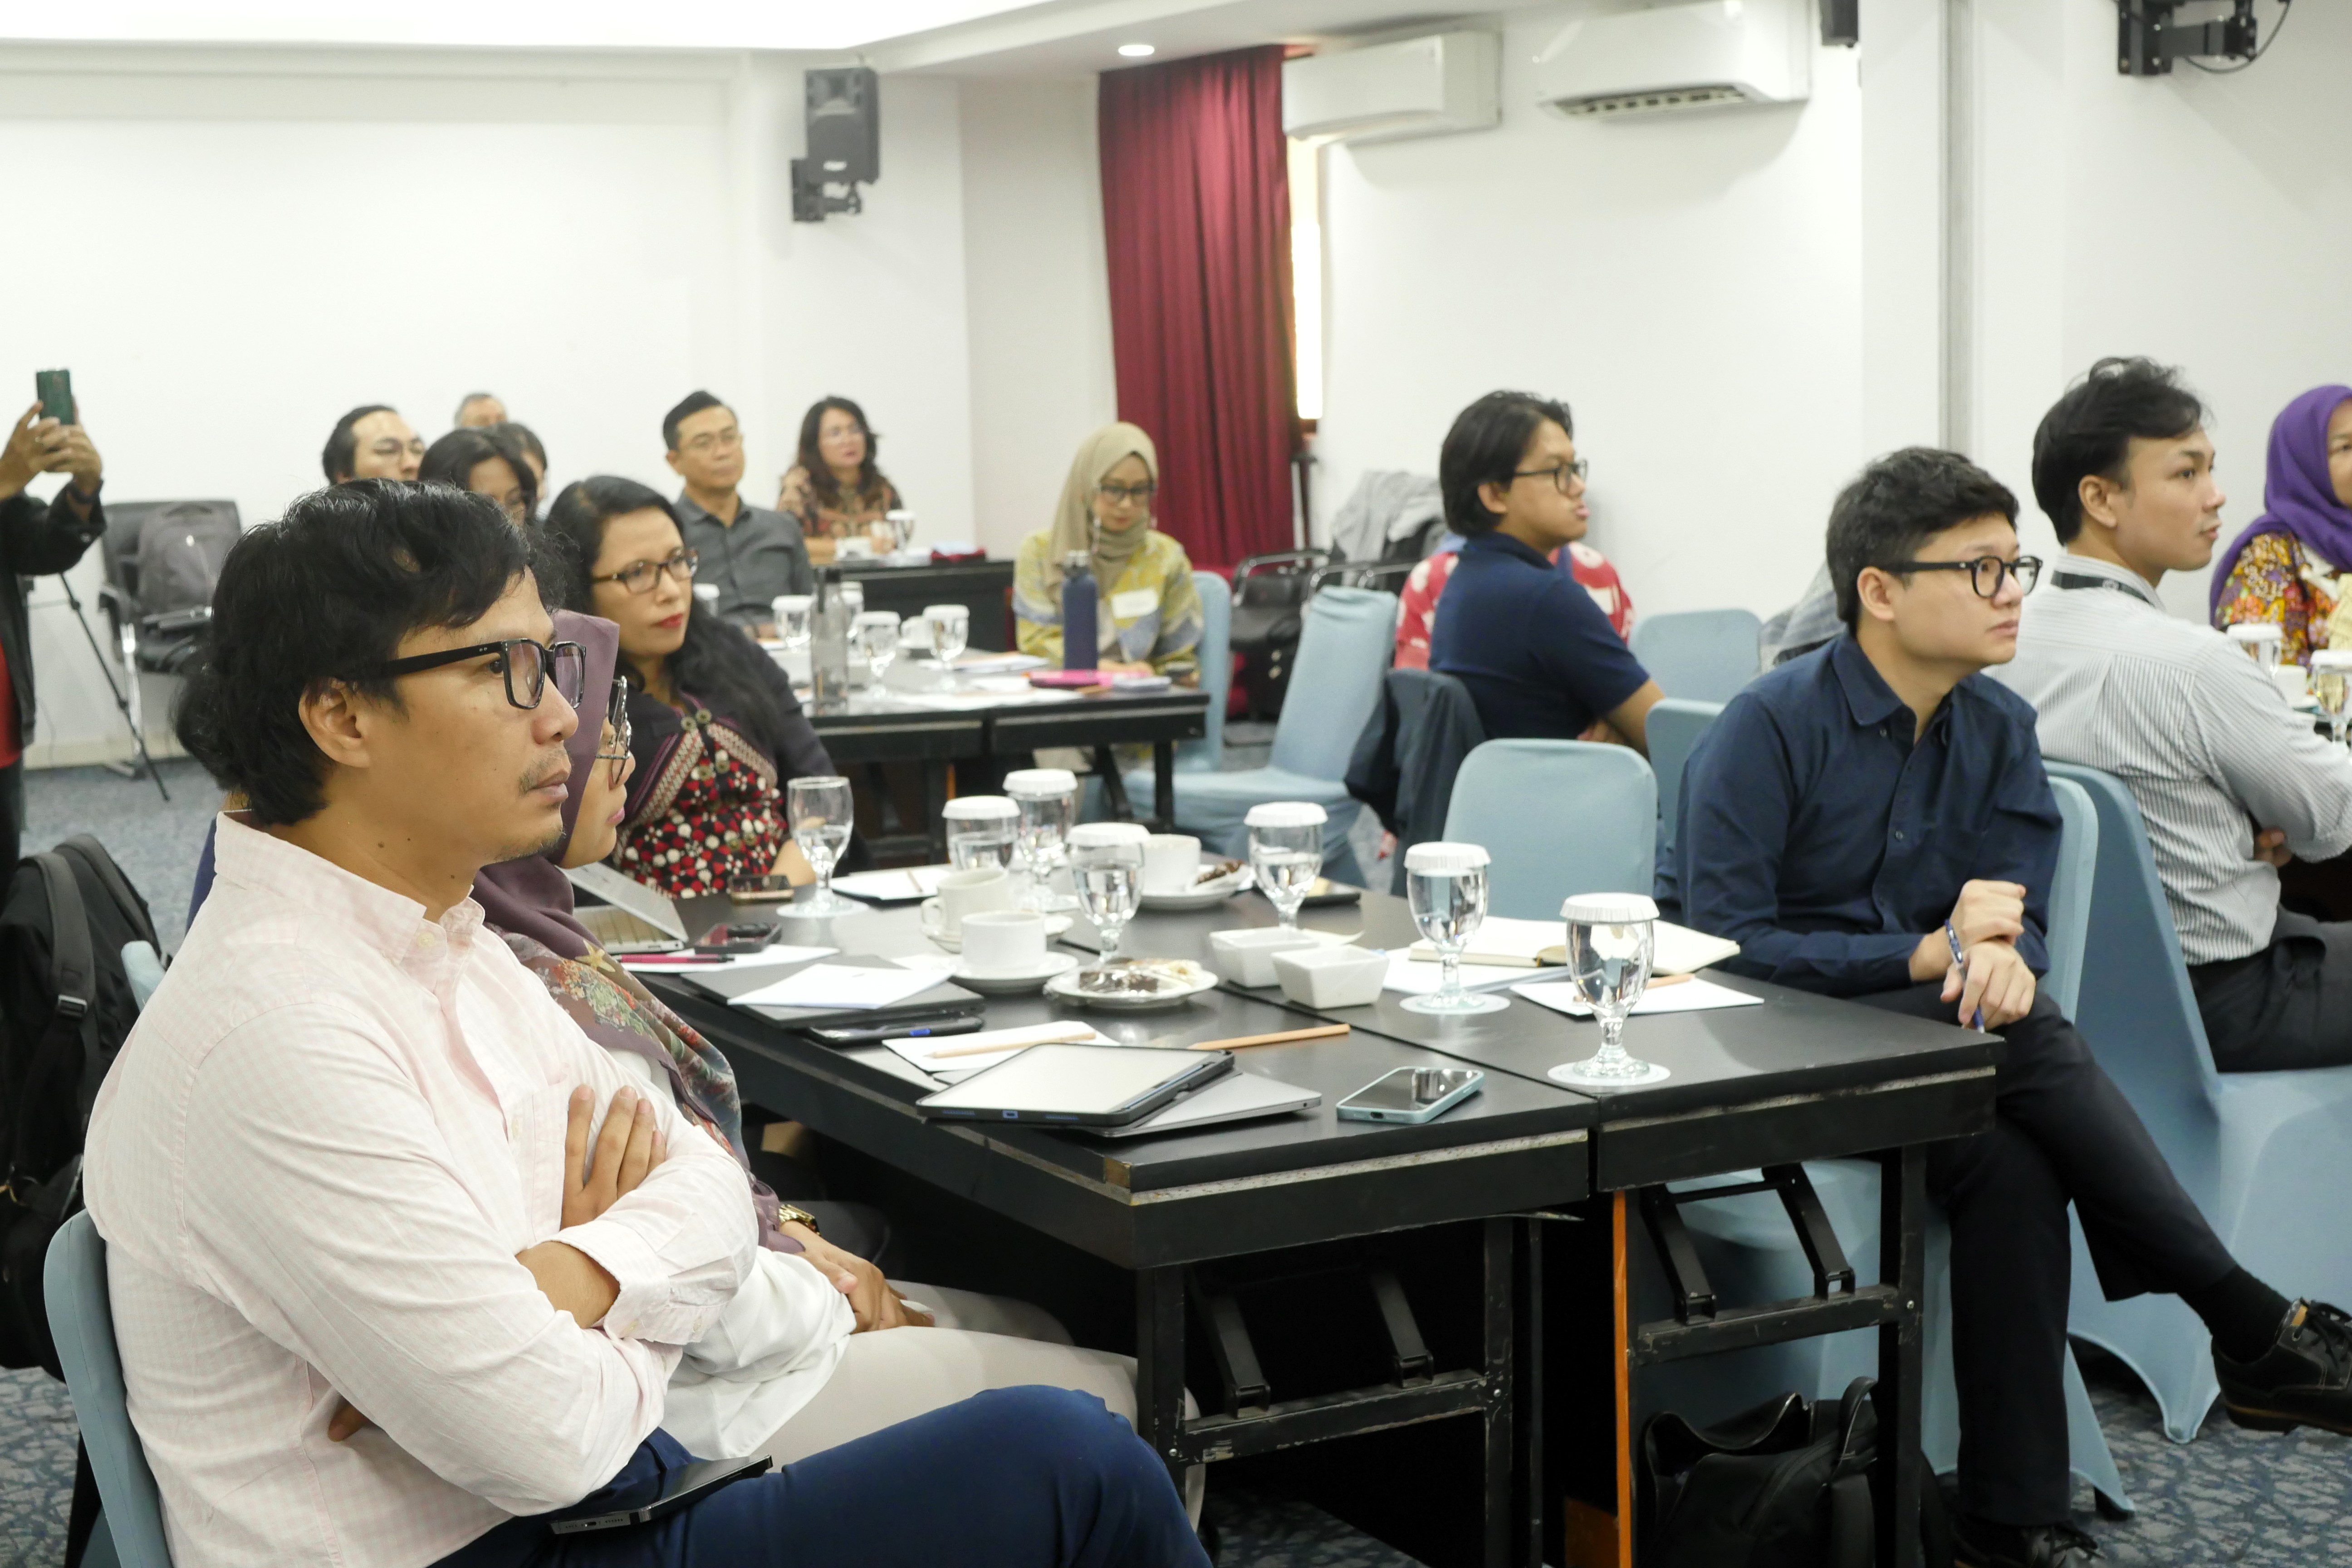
x=1078 y=1086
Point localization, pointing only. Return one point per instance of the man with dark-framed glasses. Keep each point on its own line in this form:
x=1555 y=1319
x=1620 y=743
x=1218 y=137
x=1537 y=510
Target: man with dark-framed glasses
x=752 y=554
x=1871 y=820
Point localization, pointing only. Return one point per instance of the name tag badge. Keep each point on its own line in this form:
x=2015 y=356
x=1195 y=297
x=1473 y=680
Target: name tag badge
x=1133 y=603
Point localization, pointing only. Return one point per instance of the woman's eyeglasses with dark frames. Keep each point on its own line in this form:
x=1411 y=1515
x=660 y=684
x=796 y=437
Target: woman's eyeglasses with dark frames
x=639 y=576
x=1559 y=473
x=526 y=664
x=1136 y=495
x=1985 y=572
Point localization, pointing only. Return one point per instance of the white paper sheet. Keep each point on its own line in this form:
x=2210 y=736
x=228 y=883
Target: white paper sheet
x=1690 y=996
x=687 y=963
x=1417 y=979
x=1531 y=943
x=968 y=1058
x=839 y=985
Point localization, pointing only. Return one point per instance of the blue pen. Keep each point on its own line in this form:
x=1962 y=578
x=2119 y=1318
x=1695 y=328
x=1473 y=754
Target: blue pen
x=1959 y=961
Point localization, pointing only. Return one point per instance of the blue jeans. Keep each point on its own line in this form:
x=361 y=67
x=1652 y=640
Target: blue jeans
x=1025 y=1477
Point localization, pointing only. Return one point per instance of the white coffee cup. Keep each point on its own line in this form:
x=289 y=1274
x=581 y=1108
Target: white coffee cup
x=1004 y=942
x=2289 y=680
x=1171 y=863
x=966 y=893
x=853 y=547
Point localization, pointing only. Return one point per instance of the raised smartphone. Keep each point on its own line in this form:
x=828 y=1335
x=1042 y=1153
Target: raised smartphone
x=55 y=389
x=1412 y=1094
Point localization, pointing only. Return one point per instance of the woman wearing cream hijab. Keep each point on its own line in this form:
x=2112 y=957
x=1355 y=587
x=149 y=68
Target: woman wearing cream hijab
x=1149 y=620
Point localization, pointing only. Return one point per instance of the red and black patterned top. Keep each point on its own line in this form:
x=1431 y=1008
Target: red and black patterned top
x=715 y=813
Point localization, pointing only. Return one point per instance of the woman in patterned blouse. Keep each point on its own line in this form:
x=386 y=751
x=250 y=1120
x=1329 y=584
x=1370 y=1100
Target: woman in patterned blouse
x=833 y=487
x=714 y=725
x=2291 y=566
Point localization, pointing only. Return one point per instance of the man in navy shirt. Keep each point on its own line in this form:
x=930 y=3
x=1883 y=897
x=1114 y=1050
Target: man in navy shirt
x=1855 y=818
x=1539 y=655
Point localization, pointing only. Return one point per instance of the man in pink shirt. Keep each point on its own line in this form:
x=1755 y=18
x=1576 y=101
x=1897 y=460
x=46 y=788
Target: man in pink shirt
x=378 y=1302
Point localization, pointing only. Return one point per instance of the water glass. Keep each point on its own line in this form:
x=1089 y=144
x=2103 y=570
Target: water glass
x=2261 y=640
x=984 y=831
x=877 y=632
x=792 y=613
x=1106 y=866
x=1286 y=851
x=1610 y=941
x=1446 y=884
x=822 y=815
x=902 y=528
x=950 y=631
x=1048 y=802
x=2331 y=684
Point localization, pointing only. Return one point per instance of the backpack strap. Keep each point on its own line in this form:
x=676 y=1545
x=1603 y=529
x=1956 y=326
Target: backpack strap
x=73 y=968
x=94 y=855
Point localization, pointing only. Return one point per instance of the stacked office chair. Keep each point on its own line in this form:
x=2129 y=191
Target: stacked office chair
x=1706 y=655
x=1269 y=610
x=1343 y=651
x=1575 y=817
x=2254 y=1150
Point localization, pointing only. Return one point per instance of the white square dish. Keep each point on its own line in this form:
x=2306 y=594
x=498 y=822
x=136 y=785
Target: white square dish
x=1331 y=977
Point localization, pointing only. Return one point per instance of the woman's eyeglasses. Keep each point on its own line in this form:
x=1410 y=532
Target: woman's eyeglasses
x=1560 y=473
x=1985 y=572
x=526 y=664
x=639 y=576
x=1132 y=495
x=616 y=718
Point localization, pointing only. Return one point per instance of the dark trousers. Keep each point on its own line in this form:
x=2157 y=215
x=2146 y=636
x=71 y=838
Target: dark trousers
x=2287 y=1007
x=1017 y=1476
x=12 y=814
x=2062 y=1130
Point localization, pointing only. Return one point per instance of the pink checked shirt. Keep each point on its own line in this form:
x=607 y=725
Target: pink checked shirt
x=313 y=1164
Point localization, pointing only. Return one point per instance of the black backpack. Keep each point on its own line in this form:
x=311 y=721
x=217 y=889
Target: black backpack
x=66 y=1005
x=182 y=548
x=1786 y=1485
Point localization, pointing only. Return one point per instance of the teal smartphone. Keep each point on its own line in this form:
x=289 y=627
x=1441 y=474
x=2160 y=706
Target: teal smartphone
x=1412 y=1094
x=55 y=389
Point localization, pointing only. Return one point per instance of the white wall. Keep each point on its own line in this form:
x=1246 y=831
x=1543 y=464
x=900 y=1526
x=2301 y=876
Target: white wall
x=240 y=245
x=1038 y=294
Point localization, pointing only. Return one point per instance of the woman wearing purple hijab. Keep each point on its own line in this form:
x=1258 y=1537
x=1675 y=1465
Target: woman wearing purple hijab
x=2293 y=567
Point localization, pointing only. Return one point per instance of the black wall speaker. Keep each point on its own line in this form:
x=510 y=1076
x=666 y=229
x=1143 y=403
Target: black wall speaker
x=845 y=125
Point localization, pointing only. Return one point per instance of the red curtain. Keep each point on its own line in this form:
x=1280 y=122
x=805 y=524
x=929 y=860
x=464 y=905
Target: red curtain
x=1196 y=216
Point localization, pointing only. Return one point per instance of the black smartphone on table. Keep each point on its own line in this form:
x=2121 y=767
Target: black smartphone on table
x=55 y=389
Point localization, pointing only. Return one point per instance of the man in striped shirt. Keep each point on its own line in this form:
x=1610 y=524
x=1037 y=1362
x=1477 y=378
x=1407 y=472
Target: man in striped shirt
x=2230 y=780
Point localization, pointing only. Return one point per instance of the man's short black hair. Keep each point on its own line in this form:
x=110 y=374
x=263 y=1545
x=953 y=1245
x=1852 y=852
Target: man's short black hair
x=327 y=593
x=2090 y=429
x=1895 y=506
x=470 y=400
x=691 y=404
x=1484 y=446
x=342 y=452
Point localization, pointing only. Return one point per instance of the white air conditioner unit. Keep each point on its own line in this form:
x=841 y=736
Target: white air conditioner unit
x=1420 y=86
x=1710 y=54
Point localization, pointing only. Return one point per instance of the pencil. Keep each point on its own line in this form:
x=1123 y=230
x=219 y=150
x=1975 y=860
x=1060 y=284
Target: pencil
x=1327 y=1031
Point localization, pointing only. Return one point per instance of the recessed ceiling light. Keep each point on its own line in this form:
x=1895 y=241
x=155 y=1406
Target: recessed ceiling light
x=1137 y=51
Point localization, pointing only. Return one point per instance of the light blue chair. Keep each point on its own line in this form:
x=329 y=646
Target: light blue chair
x=81 y=1319
x=1207 y=754
x=1747 y=1245
x=1335 y=684
x=2255 y=1151
x=1561 y=818
x=1675 y=726
x=1706 y=655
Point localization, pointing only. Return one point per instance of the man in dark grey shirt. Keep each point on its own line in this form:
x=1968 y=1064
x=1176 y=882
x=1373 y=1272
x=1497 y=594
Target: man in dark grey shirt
x=748 y=554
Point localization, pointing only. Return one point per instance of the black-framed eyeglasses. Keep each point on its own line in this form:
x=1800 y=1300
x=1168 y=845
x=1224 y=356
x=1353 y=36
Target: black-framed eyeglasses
x=1134 y=494
x=1560 y=473
x=527 y=665
x=639 y=576
x=617 y=713
x=1986 y=573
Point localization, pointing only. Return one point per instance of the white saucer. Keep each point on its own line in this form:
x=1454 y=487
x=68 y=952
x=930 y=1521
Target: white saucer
x=931 y=919
x=1206 y=896
x=1065 y=987
x=1055 y=965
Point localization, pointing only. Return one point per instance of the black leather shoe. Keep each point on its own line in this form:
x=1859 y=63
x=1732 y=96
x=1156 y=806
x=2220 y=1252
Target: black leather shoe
x=1979 y=1544
x=2304 y=1379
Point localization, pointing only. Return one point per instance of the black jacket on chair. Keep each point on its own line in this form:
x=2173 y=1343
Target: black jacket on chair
x=1405 y=760
x=37 y=539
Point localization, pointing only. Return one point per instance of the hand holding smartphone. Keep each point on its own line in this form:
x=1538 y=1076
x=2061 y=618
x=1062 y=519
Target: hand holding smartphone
x=55 y=389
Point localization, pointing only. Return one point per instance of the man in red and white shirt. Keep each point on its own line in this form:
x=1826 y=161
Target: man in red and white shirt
x=372 y=1311
x=1417 y=606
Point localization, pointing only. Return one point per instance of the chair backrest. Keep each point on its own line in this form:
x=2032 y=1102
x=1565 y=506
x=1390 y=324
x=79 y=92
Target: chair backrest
x=1704 y=655
x=2134 y=1004
x=1343 y=651
x=1216 y=671
x=2069 y=894
x=1561 y=818
x=81 y=1319
x=1675 y=726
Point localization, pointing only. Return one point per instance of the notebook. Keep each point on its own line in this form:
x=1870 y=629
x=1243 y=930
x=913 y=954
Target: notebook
x=727 y=985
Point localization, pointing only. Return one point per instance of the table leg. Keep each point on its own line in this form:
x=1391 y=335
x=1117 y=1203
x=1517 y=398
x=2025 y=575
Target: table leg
x=1527 y=1392
x=1163 y=786
x=1901 y=1250
x=935 y=806
x=1502 y=1454
x=1160 y=1364
x=1113 y=786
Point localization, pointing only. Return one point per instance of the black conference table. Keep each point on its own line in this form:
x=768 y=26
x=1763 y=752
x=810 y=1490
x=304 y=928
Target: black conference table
x=1798 y=1077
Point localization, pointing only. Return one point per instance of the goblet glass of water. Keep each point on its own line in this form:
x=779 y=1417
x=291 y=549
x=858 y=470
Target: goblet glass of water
x=2331 y=684
x=902 y=528
x=792 y=613
x=1048 y=802
x=1286 y=851
x=950 y=631
x=1446 y=884
x=1106 y=866
x=983 y=830
x=822 y=815
x=1610 y=942
x=878 y=639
